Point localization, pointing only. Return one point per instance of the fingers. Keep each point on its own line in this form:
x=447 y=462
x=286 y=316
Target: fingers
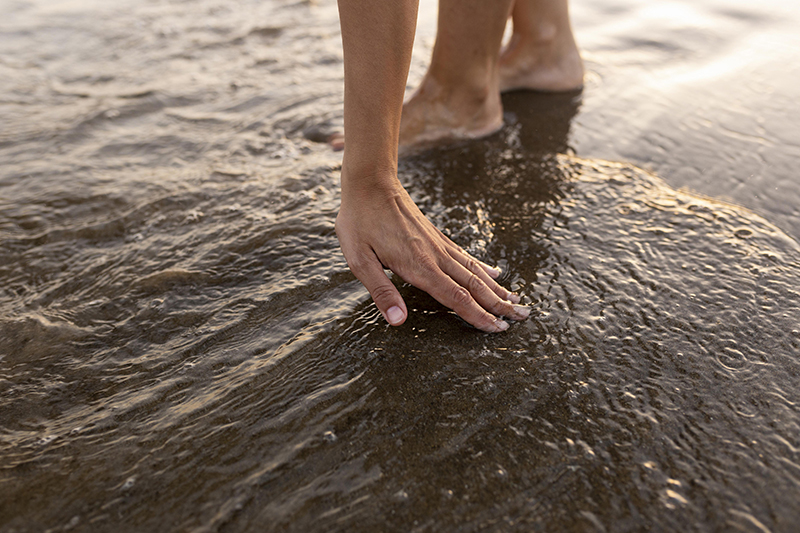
x=462 y=257
x=483 y=294
x=493 y=272
x=369 y=271
x=450 y=294
x=474 y=266
x=481 y=270
x=467 y=295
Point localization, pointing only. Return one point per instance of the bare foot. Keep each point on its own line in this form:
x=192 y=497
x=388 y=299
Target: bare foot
x=336 y=141
x=437 y=115
x=551 y=66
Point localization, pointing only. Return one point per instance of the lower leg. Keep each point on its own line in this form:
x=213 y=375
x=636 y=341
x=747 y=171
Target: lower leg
x=459 y=97
x=542 y=53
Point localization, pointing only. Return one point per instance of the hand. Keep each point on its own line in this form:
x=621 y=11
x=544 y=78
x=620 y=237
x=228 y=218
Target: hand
x=379 y=226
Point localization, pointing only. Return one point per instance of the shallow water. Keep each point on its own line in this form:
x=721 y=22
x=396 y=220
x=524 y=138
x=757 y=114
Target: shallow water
x=183 y=347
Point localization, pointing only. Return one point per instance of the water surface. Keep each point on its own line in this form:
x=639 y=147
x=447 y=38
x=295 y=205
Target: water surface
x=182 y=346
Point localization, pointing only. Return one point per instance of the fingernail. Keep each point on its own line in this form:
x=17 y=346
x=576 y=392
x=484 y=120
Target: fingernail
x=513 y=298
x=501 y=325
x=394 y=315
x=522 y=311
x=495 y=271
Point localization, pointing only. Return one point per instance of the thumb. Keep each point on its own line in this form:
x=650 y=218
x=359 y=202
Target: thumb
x=382 y=290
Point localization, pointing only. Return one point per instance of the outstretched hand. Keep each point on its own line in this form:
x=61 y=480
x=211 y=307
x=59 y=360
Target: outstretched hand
x=379 y=226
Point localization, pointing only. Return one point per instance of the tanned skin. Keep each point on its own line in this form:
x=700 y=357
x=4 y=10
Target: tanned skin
x=379 y=226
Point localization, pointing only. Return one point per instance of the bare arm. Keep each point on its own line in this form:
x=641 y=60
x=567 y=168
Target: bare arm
x=378 y=224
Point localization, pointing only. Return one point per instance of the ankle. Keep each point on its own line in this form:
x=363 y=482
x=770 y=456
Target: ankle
x=471 y=90
x=552 y=44
x=543 y=61
x=542 y=34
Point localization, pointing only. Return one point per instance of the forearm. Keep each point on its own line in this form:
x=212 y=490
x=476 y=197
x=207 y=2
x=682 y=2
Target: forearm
x=377 y=37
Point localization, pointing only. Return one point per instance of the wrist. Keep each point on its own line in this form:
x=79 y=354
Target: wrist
x=370 y=178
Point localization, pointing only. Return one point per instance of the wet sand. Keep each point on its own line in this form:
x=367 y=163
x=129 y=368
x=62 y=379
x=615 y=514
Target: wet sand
x=183 y=348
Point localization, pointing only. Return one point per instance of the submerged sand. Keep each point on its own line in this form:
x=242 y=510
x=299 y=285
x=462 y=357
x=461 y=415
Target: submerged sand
x=182 y=346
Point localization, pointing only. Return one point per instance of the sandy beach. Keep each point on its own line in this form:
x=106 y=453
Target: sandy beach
x=182 y=346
